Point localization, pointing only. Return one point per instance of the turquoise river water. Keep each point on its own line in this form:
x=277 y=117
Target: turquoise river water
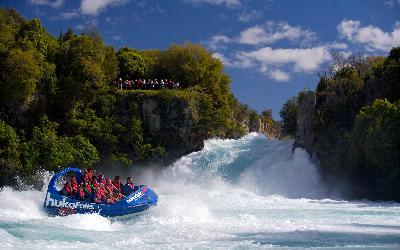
x=250 y=193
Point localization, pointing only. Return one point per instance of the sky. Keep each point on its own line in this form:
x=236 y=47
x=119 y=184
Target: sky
x=272 y=49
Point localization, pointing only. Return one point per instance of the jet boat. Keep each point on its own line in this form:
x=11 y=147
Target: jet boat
x=55 y=203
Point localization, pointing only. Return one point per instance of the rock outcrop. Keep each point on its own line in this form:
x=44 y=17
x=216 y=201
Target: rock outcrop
x=167 y=122
x=172 y=125
x=305 y=113
x=267 y=126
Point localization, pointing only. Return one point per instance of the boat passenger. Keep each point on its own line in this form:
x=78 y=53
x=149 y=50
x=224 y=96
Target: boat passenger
x=110 y=200
x=86 y=176
x=101 y=179
x=87 y=189
x=74 y=184
x=118 y=196
x=90 y=172
x=94 y=184
x=110 y=187
x=128 y=187
x=117 y=183
x=80 y=195
x=110 y=197
x=100 y=196
x=67 y=189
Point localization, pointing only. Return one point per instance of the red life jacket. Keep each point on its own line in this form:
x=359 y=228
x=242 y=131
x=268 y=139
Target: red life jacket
x=117 y=184
x=69 y=190
x=82 y=194
x=99 y=194
x=74 y=185
x=95 y=183
x=102 y=180
x=90 y=175
x=88 y=188
x=110 y=186
x=110 y=200
x=86 y=177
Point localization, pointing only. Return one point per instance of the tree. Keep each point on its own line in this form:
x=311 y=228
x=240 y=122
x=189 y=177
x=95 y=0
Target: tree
x=31 y=36
x=131 y=65
x=110 y=65
x=196 y=69
x=385 y=80
x=47 y=150
x=20 y=74
x=79 y=66
x=192 y=64
x=374 y=153
x=288 y=114
x=9 y=153
x=267 y=114
x=8 y=30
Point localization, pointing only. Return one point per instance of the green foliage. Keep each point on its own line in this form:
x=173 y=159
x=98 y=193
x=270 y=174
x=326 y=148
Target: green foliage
x=385 y=80
x=9 y=153
x=20 y=74
x=288 y=114
x=192 y=65
x=355 y=131
x=110 y=64
x=131 y=65
x=9 y=141
x=49 y=151
x=8 y=30
x=80 y=69
x=374 y=153
x=58 y=95
x=151 y=57
x=253 y=117
x=338 y=99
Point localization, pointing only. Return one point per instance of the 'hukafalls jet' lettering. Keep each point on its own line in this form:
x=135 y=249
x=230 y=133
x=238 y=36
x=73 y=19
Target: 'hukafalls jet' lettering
x=63 y=203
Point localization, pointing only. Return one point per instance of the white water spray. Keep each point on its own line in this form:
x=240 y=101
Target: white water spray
x=246 y=193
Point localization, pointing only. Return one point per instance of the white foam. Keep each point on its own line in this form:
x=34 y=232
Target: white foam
x=23 y=205
x=93 y=222
x=232 y=194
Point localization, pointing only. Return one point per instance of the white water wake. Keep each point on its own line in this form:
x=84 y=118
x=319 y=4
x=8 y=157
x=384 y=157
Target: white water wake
x=246 y=193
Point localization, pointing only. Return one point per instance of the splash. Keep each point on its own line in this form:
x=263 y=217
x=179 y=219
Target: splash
x=253 y=163
x=246 y=194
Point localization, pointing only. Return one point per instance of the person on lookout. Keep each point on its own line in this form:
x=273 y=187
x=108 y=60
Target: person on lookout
x=128 y=187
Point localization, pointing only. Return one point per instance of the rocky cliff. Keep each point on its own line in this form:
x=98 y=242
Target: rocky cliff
x=166 y=121
x=305 y=114
x=265 y=125
x=172 y=124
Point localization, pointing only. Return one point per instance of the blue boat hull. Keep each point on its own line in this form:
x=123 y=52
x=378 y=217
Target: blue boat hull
x=56 y=204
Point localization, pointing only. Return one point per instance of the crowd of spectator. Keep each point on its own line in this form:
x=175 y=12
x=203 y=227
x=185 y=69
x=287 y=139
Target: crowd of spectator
x=143 y=84
x=97 y=189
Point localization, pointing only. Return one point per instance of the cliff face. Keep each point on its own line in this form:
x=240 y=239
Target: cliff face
x=172 y=125
x=305 y=114
x=167 y=122
x=268 y=127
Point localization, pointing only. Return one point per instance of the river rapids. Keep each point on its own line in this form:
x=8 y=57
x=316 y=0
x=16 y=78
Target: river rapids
x=251 y=193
